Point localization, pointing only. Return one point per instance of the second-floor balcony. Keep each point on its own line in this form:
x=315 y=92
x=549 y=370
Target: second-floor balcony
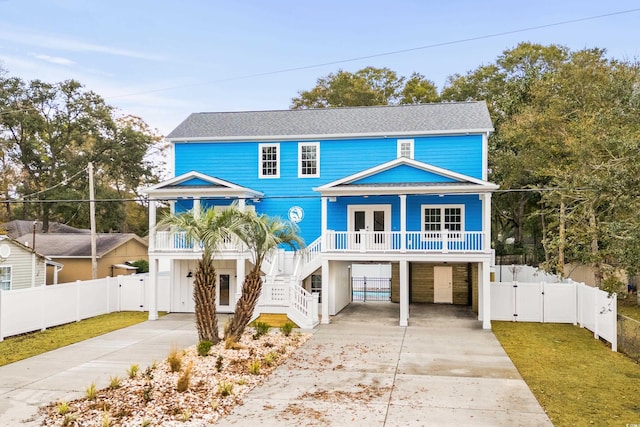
x=352 y=241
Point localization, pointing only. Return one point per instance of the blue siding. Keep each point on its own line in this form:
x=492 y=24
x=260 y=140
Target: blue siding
x=238 y=162
x=402 y=174
x=195 y=182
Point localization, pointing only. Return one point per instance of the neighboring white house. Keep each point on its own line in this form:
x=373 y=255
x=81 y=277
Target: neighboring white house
x=21 y=267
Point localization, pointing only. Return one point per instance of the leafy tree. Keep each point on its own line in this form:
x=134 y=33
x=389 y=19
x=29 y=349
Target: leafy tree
x=366 y=87
x=261 y=234
x=208 y=228
x=50 y=132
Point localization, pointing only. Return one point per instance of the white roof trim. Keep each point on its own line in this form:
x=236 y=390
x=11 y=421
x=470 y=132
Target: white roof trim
x=304 y=137
x=418 y=189
x=398 y=162
x=228 y=188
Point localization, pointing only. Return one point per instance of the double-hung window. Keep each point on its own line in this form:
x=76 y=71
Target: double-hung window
x=5 y=278
x=308 y=160
x=438 y=218
x=405 y=148
x=269 y=159
x=316 y=285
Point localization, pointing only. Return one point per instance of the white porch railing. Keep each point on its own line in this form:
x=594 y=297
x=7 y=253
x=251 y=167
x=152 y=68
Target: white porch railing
x=286 y=295
x=410 y=241
x=178 y=241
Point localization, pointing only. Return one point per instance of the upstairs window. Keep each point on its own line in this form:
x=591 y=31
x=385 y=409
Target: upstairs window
x=405 y=148
x=269 y=166
x=439 y=218
x=308 y=160
x=5 y=278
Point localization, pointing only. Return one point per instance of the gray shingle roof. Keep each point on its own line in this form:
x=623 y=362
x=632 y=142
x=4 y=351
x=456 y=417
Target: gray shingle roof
x=18 y=228
x=450 y=117
x=58 y=245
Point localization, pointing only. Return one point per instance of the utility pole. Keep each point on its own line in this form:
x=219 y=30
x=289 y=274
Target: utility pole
x=92 y=214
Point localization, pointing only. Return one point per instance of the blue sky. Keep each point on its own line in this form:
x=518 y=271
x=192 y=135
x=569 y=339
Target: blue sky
x=162 y=60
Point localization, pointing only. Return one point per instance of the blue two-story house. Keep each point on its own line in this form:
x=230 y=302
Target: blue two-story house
x=400 y=186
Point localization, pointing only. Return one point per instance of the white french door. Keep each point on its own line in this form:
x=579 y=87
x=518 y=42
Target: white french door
x=369 y=226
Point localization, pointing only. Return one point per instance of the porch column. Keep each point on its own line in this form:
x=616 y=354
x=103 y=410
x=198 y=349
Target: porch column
x=325 y=291
x=152 y=225
x=153 y=288
x=484 y=288
x=241 y=204
x=240 y=273
x=404 y=293
x=486 y=222
x=403 y=222
x=323 y=226
x=196 y=206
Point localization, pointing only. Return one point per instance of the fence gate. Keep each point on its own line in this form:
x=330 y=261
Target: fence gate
x=370 y=289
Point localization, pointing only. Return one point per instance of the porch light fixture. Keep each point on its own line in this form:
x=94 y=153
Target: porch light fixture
x=190 y=274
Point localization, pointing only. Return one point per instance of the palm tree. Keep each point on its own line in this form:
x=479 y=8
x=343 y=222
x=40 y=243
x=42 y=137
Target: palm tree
x=209 y=228
x=261 y=234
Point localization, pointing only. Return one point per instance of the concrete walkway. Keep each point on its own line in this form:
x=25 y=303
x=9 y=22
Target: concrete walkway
x=365 y=370
x=360 y=370
x=64 y=374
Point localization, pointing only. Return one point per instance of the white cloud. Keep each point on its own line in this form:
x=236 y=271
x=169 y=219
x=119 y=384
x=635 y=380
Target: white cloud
x=53 y=59
x=29 y=37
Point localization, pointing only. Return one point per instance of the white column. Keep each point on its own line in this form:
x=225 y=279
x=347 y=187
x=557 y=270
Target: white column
x=323 y=215
x=196 y=206
x=152 y=225
x=403 y=222
x=240 y=273
x=484 y=308
x=241 y=204
x=486 y=222
x=404 y=293
x=153 y=288
x=325 y=291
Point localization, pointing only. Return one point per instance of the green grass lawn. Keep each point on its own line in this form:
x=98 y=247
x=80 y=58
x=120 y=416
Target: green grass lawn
x=20 y=347
x=577 y=379
x=629 y=307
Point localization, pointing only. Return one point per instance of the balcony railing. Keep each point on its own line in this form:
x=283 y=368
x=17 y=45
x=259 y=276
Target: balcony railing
x=178 y=241
x=352 y=241
x=410 y=241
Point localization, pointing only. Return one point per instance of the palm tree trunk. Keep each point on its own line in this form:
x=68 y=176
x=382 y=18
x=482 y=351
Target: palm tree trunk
x=251 y=289
x=204 y=295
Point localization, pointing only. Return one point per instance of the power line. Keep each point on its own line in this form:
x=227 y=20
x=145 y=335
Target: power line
x=63 y=182
x=378 y=55
x=313 y=196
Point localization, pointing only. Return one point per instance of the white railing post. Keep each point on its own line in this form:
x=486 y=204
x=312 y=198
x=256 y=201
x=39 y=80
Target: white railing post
x=445 y=241
x=2 y=311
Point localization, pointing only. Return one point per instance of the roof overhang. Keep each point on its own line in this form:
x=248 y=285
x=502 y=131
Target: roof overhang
x=456 y=183
x=307 y=137
x=209 y=187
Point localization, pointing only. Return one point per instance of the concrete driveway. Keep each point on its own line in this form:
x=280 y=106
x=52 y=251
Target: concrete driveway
x=360 y=370
x=365 y=370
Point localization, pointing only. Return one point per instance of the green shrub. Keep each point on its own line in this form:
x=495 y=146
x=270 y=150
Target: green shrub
x=270 y=358
x=132 y=372
x=63 y=407
x=91 y=392
x=204 y=347
x=254 y=367
x=287 y=328
x=261 y=329
x=225 y=389
x=114 y=382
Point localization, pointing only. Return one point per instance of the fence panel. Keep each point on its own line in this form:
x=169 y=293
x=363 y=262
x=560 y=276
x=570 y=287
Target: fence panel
x=132 y=293
x=370 y=289
x=560 y=305
x=502 y=301
x=61 y=304
x=529 y=302
x=21 y=311
x=94 y=297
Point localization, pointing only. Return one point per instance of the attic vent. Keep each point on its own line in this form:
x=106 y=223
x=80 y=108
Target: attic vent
x=5 y=251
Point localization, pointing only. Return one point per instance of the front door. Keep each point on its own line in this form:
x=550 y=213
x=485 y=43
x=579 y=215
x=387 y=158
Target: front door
x=369 y=224
x=443 y=285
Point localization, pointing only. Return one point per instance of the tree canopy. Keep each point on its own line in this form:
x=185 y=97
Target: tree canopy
x=49 y=132
x=366 y=87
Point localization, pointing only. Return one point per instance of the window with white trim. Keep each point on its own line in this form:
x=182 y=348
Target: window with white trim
x=316 y=285
x=308 y=159
x=5 y=278
x=405 y=148
x=269 y=158
x=437 y=218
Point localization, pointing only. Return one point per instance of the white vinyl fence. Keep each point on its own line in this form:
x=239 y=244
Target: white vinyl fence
x=33 y=309
x=568 y=302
